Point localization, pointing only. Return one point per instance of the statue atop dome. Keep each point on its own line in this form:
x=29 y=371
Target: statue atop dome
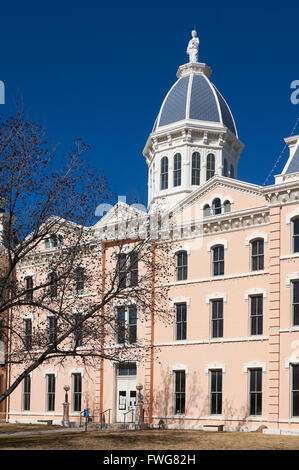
x=192 y=48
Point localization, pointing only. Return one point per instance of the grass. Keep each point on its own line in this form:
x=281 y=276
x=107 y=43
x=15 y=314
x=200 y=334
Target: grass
x=144 y=440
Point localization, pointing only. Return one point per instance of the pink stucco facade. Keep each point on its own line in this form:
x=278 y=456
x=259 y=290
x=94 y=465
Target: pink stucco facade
x=229 y=352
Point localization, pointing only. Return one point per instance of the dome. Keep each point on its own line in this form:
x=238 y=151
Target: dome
x=194 y=97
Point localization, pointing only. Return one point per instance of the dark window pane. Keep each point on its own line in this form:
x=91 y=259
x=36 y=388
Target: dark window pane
x=177 y=169
x=181 y=266
x=127 y=369
x=296 y=235
x=195 y=168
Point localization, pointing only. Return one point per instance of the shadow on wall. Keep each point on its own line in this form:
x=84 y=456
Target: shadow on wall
x=197 y=400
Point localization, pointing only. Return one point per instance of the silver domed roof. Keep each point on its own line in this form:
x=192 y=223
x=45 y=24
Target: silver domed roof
x=193 y=96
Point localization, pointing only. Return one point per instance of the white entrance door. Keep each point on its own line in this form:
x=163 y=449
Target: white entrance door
x=125 y=395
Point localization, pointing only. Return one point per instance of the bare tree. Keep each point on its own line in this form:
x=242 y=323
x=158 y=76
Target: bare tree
x=64 y=281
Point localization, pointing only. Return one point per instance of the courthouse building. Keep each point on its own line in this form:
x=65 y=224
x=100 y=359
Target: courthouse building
x=230 y=356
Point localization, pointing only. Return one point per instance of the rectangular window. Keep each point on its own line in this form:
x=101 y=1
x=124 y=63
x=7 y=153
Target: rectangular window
x=77 y=392
x=132 y=325
x=122 y=270
x=28 y=288
x=127 y=368
x=52 y=330
x=181 y=266
x=295 y=303
x=218 y=260
x=126 y=325
x=50 y=392
x=78 y=331
x=121 y=325
x=216 y=392
x=26 y=393
x=295 y=390
x=255 y=391
x=181 y=321
x=256 y=315
x=28 y=334
x=257 y=255
x=217 y=318
x=80 y=271
x=295 y=224
x=133 y=270
x=53 y=284
x=179 y=392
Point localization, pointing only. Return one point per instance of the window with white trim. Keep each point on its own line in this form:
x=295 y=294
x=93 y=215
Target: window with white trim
x=164 y=173
x=218 y=260
x=295 y=390
x=50 y=381
x=295 y=235
x=216 y=318
x=210 y=166
x=127 y=267
x=27 y=333
x=295 y=303
x=255 y=392
x=126 y=325
x=181 y=265
x=26 y=393
x=257 y=254
x=52 y=329
x=181 y=321
x=28 y=288
x=76 y=391
x=195 y=171
x=216 y=392
x=256 y=314
x=179 y=391
x=177 y=169
x=53 y=241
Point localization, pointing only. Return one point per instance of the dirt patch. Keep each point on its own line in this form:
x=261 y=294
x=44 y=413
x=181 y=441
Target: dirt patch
x=150 y=440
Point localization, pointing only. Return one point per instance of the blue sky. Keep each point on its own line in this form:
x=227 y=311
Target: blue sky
x=100 y=70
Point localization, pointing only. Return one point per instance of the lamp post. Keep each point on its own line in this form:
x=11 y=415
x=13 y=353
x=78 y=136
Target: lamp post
x=66 y=408
x=139 y=406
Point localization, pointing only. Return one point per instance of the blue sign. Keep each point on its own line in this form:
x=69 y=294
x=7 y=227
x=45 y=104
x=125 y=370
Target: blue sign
x=86 y=413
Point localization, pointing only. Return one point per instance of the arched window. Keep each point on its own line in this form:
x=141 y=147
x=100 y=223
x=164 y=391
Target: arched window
x=226 y=206
x=210 y=165
x=177 y=169
x=295 y=234
x=164 y=173
x=206 y=210
x=216 y=206
x=218 y=260
x=232 y=171
x=181 y=266
x=225 y=168
x=196 y=168
x=257 y=254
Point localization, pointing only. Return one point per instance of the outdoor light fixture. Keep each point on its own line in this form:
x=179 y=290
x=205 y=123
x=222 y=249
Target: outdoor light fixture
x=66 y=389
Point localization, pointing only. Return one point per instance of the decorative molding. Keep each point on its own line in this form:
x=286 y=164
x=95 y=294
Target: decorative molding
x=180 y=300
x=255 y=235
x=178 y=367
x=291 y=215
x=215 y=296
x=255 y=291
x=48 y=372
x=179 y=248
x=214 y=366
x=217 y=241
x=291 y=277
x=254 y=365
x=77 y=370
